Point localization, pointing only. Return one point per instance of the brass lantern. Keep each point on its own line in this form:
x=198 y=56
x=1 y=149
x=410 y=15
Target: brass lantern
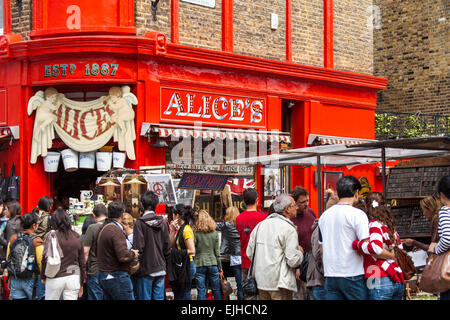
x=110 y=188
x=134 y=185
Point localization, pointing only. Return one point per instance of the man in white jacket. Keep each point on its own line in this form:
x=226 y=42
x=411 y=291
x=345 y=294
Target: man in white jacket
x=277 y=252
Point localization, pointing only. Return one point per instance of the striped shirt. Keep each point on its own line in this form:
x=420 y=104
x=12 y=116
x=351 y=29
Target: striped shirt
x=444 y=231
x=379 y=239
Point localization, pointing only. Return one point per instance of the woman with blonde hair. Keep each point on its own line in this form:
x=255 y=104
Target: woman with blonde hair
x=430 y=208
x=128 y=222
x=207 y=257
x=231 y=245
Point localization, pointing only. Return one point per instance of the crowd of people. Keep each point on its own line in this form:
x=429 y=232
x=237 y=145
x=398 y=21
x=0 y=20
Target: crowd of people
x=292 y=254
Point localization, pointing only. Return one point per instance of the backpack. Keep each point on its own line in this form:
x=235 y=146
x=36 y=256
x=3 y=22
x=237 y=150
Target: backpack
x=21 y=262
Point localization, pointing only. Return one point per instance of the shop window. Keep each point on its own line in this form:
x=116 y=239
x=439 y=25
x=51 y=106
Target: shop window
x=65 y=184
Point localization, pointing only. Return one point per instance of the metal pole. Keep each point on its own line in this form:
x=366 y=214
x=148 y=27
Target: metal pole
x=319 y=184
x=383 y=173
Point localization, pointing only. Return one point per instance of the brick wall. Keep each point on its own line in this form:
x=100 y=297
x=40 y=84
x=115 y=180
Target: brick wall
x=201 y=27
x=412 y=50
x=353 y=39
x=21 y=18
x=252 y=33
x=307 y=32
x=145 y=21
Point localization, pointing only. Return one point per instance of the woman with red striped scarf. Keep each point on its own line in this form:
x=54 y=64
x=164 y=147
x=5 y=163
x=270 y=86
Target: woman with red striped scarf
x=384 y=276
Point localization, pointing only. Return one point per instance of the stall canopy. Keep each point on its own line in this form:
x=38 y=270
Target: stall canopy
x=177 y=131
x=340 y=155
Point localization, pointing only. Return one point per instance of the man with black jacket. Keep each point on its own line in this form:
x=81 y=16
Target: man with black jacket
x=151 y=239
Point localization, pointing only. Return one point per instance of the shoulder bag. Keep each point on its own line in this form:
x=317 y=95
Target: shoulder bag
x=13 y=185
x=249 y=287
x=54 y=260
x=405 y=262
x=436 y=274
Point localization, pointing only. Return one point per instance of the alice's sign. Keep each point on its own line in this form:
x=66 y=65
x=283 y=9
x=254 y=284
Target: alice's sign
x=83 y=126
x=187 y=106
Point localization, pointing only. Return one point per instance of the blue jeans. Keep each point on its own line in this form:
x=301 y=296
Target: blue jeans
x=21 y=288
x=150 y=288
x=319 y=293
x=40 y=290
x=118 y=286
x=346 y=288
x=383 y=288
x=212 y=273
x=185 y=295
x=444 y=295
x=238 y=277
x=94 y=290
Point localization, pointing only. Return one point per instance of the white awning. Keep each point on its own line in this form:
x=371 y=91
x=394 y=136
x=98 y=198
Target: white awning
x=323 y=140
x=165 y=131
x=338 y=155
x=9 y=133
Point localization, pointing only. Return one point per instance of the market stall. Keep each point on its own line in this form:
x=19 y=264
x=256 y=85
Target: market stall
x=353 y=155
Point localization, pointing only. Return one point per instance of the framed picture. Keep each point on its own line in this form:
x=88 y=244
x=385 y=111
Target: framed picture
x=162 y=186
x=272 y=184
x=184 y=196
x=330 y=179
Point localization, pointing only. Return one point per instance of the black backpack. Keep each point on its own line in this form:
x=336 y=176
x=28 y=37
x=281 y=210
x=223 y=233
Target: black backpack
x=21 y=262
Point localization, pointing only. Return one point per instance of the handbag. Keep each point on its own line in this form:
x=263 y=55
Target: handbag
x=436 y=274
x=13 y=192
x=53 y=261
x=225 y=285
x=405 y=262
x=3 y=185
x=249 y=286
x=304 y=267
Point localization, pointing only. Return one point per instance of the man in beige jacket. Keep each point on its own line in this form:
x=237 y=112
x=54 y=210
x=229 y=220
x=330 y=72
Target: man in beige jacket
x=277 y=252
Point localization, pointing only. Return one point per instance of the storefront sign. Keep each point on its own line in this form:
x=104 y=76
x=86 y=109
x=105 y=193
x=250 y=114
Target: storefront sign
x=222 y=168
x=94 y=69
x=83 y=126
x=202 y=181
x=188 y=106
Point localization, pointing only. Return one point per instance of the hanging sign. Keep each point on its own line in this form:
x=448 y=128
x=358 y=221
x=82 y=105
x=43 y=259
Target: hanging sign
x=83 y=126
x=188 y=106
x=202 y=181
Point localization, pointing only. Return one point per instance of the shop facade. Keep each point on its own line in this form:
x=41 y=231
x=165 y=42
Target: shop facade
x=181 y=93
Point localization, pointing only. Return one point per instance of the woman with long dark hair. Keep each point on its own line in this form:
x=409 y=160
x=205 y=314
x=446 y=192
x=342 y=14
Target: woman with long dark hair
x=182 y=237
x=69 y=280
x=22 y=286
x=385 y=279
x=45 y=205
x=442 y=246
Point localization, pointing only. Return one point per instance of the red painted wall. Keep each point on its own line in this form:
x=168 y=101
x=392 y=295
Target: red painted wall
x=327 y=101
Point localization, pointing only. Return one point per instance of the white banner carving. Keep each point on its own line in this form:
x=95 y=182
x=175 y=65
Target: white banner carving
x=83 y=126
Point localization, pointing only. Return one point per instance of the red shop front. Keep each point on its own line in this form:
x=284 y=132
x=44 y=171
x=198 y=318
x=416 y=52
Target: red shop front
x=179 y=92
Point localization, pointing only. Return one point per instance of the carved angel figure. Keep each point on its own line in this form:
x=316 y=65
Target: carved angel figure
x=43 y=131
x=120 y=101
